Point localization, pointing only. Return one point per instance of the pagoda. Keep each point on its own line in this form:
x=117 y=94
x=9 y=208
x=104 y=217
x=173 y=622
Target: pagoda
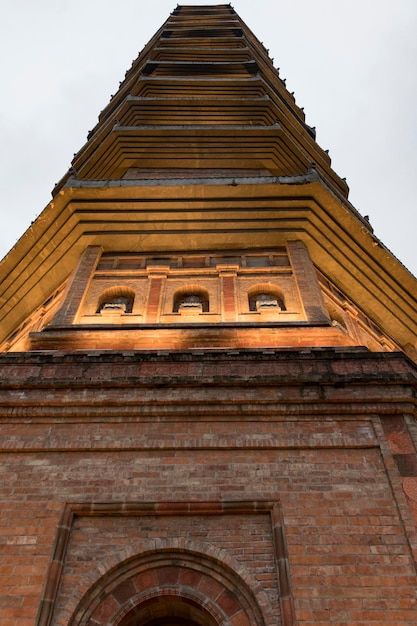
x=208 y=367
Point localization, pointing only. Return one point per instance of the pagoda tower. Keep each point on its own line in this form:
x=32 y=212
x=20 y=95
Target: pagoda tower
x=208 y=367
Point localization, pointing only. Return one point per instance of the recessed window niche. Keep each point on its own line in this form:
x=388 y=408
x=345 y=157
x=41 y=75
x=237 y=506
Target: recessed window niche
x=191 y=301
x=116 y=301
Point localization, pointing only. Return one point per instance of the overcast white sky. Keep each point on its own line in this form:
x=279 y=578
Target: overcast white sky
x=351 y=63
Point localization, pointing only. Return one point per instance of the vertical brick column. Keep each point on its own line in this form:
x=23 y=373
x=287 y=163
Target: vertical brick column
x=227 y=277
x=402 y=447
x=78 y=287
x=308 y=285
x=156 y=283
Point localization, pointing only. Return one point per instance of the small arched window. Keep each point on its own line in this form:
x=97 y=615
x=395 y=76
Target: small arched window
x=117 y=300
x=191 y=300
x=265 y=298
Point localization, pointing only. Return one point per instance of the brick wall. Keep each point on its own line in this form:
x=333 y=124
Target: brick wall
x=312 y=433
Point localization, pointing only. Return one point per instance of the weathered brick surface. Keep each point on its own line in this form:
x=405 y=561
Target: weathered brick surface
x=335 y=452
x=76 y=291
x=228 y=290
x=154 y=298
x=307 y=282
x=192 y=336
x=97 y=541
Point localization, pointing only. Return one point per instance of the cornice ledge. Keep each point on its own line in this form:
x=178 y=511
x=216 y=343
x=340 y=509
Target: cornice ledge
x=311 y=176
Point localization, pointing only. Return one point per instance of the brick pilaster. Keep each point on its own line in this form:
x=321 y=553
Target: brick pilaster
x=78 y=287
x=228 y=291
x=308 y=286
x=156 y=282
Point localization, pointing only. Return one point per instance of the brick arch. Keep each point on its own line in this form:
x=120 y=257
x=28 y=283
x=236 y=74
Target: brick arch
x=117 y=291
x=269 y=289
x=192 y=585
x=191 y=290
x=116 y=563
x=171 y=604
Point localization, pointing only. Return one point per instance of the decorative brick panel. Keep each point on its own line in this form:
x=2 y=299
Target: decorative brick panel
x=223 y=570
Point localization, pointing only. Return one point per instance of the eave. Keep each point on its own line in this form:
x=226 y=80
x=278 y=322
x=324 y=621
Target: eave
x=227 y=215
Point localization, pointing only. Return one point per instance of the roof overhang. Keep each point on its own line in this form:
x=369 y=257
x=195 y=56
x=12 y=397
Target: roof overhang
x=167 y=216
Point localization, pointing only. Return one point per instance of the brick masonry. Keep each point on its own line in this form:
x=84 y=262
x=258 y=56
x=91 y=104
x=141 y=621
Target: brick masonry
x=321 y=434
x=76 y=291
x=248 y=460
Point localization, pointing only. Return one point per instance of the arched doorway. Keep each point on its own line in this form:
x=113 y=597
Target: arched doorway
x=169 y=588
x=168 y=611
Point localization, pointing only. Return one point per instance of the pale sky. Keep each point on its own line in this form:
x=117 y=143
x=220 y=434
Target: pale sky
x=351 y=63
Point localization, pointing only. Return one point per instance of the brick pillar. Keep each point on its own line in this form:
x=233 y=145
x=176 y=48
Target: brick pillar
x=78 y=287
x=308 y=285
x=156 y=283
x=228 y=292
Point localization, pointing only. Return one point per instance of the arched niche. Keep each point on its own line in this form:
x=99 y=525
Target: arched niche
x=266 y=297
x=118 y=300
x=191 y=300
